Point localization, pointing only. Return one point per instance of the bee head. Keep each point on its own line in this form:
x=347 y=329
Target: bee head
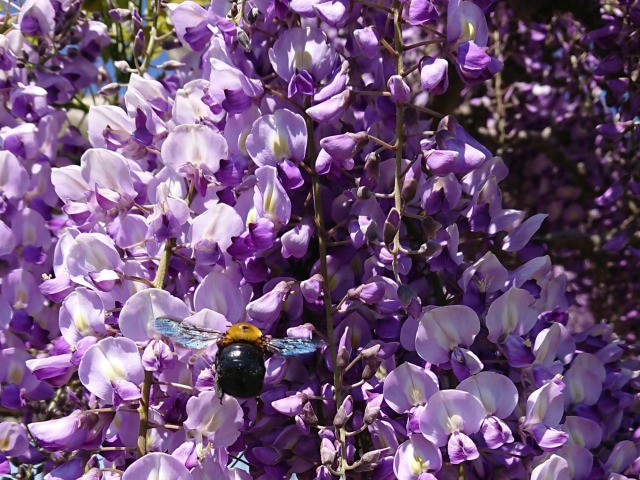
x=244 y=332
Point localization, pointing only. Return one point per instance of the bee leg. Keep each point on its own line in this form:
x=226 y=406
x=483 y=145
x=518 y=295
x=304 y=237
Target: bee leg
x=219 y=392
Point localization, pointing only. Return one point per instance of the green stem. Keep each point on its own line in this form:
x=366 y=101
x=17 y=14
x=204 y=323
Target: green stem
x=397 y=185
x=152 y=37
x=143 y=409
x=161 y=274
x=324 y=271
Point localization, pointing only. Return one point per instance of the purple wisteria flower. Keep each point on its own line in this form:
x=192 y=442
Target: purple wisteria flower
x=302 y=56
x=202 y=160
x=449 y=418
x=111 y=370
x=443 y=334
x=157 y=465
x=217 y=420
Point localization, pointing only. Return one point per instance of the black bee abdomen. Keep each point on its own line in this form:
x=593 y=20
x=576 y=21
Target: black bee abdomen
x=240 y=370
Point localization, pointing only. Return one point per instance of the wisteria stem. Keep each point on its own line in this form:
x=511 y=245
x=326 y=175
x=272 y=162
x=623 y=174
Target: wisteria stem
x=152 y=37
x=324 y=269
x=111 y=410
x=135 y=278
x=383 y=143
x=397 y=186
x=424 y=42
x=426 y=110
x=392 y=50
x=166 y=426
x=176 y=385
x=113 y=449
x=408 y=72
x=143 y=409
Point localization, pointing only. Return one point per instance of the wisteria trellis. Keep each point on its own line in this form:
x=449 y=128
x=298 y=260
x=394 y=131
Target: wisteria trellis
x=293 y=166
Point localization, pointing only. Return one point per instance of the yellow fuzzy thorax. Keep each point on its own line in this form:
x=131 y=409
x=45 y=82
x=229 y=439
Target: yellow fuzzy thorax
x=242 y=332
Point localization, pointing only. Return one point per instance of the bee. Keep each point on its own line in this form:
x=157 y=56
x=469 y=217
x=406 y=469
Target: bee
x=241 y=353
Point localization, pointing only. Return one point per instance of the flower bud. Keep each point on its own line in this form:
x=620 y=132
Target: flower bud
x=120 y=14
x=369 y=370
x=308 y=414
x=331 y=109
x=391 y=225
x=312 y=288
x=341 y=418
x=371 y=172
x=243 y=39
x=171 y=65
x=138 y=44
x=342 y=357
x=110 y=89
x=347 y=407
x=370 y=414
x=434 y=75
x=368 y=41
x=422 y=12
x=122 y=66
x=371 y=352
x=370 y=293
x=345 y=145
x=266 y=309
x=292 y=405
x=399 y=89
x=137 y=20
x=372 y=457
x=327 y=452
x=409 y=189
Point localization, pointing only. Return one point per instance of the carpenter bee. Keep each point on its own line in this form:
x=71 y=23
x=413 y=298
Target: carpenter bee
x=241 y=352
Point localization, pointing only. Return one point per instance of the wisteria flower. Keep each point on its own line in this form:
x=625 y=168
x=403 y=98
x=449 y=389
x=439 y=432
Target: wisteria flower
x=499 y=396
x=157 y=465
x=112 y=370
x=408 y=386
x=217 y=420
x=92 y=260
x=138 y=313
x=416 y=459
x=276 y=138
x=449 y=418
x=301 y=51
x=214 y=229
x=77 y=430
x=81 y=315
x=444 y=335
x=195 y=151
x=544 y=412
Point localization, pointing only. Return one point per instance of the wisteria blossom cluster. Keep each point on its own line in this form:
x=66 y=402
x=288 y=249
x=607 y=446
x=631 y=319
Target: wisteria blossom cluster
x=563 y=113
x=292 y=164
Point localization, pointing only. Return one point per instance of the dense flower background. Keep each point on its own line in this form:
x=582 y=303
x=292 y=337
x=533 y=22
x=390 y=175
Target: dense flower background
x=447 y=192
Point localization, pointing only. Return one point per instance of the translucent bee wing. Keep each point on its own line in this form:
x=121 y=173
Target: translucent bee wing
x=292 y=346
x=186 y=334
